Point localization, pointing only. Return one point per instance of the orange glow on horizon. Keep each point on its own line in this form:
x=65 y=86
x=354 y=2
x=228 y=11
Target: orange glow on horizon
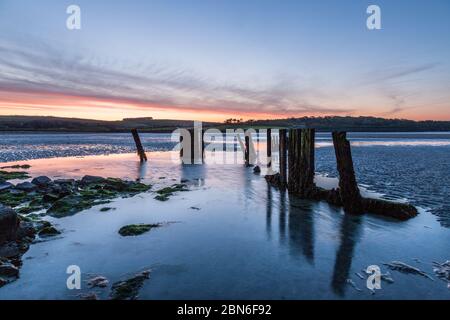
x=85 y=107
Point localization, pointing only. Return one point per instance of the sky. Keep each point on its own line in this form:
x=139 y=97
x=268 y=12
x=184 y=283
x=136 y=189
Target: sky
x=216 y=59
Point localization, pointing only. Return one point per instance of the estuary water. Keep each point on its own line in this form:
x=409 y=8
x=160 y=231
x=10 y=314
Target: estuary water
x=234 y=237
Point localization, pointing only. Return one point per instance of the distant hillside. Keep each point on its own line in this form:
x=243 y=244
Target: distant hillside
x=353 y=124
x=53 y=124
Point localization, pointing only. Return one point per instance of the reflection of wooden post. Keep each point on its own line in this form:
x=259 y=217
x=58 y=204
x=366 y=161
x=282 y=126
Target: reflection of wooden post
x=139 y=147
x=307 y=168
x=247 y=150
x=348 y=188
x=294 y=160
x=283 y=157
x=269 y=148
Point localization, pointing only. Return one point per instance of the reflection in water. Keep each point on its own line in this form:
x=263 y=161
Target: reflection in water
x=194 y=174
x=301 y=228
x=269 y=212
x=282 y=217
x=350 y=234
x=142 y=170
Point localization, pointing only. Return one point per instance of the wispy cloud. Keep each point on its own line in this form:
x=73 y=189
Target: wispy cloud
x=45 y=71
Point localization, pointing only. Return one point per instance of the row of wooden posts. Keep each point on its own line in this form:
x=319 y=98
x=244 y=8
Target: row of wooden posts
x=297 y=170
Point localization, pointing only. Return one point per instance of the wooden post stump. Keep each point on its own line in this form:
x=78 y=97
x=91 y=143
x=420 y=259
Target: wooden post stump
x=139 y=147
x=306 y=163
x=283 y=157
x=294 y=160
x=247 y=151
x=348 y=188
x=269 y=148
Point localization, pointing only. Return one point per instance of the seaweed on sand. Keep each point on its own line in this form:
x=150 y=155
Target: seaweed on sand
x=17 y=166
x=137 y=229
x=95 y=194
x=129 y=289
x=11 y=175
x=165 y=193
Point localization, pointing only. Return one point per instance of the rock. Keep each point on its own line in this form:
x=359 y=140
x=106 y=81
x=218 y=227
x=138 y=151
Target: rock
x=50 y=197
x=26 y=229
x=8 y=224
x=48 y=231
x=403 y=267
x=26 y=186
x=8 y=270
x=5 y=186
x=100 y=282
x=442 y=270
x=86 y=180
x=64 y=181
x=88 y=296
x=129 y=289
x=42 y=181
x=257 y=169
x=9 y=250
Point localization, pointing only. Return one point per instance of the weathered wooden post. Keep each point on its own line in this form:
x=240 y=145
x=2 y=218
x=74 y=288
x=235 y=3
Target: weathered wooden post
x=203 y=145
x=283 y=157
x=348 y=188
x=139 y=147
x=269 y=148
x=293 y=160
x=307 y=166
x=192 y=147
x=247 y=151
x=192 y=136
x=181 y=146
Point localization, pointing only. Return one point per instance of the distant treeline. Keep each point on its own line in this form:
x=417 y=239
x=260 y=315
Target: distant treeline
x=372 y=124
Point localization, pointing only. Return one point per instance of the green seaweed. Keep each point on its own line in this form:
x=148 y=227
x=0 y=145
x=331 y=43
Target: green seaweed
x=49 y=231
x=165 y=193
x=11 y=175
x=105 y=209
x=137 y=229
x=129 y=289
x=60 y=204
x=17 y=166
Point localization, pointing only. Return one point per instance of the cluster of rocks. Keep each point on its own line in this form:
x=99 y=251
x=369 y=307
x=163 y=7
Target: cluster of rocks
x=19 y=223
x=62 y=197
x=16 y=235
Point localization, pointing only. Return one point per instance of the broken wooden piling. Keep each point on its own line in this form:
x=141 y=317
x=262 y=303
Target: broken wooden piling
x=348 y=187
x=301 y=177
x=306 y=163
x=269 y=148
x=139 y=147
x=294 y=160
x=192 y=147
x=283 y=157
x=247 y=151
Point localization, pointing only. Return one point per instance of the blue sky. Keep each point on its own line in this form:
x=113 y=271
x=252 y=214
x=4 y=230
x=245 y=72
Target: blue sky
x=205 y=59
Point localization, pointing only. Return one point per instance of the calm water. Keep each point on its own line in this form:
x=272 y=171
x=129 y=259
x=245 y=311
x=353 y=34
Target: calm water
x=247 y=241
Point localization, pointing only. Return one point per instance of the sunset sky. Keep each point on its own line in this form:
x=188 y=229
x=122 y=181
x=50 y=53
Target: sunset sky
x=216 y=59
